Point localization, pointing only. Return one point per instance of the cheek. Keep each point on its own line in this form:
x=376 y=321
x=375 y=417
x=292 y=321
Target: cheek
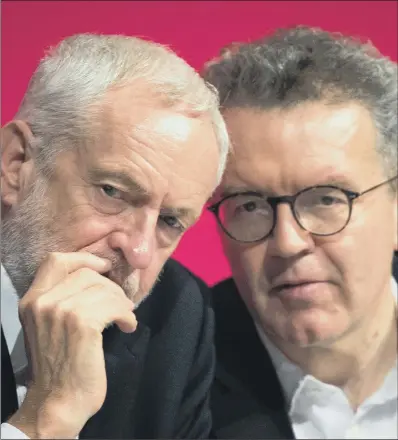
x=85 y=232
x=359 y=261
x=246 y=262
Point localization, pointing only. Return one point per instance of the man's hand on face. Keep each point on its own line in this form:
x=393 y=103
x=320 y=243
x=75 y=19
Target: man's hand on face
x=63 y=315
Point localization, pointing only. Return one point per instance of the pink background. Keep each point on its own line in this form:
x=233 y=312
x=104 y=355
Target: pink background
x=196 y=30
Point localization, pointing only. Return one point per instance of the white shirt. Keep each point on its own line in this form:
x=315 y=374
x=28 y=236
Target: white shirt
x=322 y=411
x=13 y=335
x=14 y=338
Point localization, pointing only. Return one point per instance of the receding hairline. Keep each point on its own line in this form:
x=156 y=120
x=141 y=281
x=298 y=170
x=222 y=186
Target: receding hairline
x=139 y=101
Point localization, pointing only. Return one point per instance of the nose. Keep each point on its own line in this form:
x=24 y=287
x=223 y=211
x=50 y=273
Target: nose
x=288 y=239
x=136 y=239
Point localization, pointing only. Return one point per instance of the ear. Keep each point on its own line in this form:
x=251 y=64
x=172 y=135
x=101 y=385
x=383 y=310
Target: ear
x=16 y=155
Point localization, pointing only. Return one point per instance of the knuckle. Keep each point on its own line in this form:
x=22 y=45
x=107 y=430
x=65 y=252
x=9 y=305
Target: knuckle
x=84 y=272
x=41 y=307
x=23 y=308
x=88 y=275
x=69 y=316
x=74 y=321
x=34 y=310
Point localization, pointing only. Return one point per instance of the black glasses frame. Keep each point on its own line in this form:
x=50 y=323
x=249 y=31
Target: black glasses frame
x=291 y=200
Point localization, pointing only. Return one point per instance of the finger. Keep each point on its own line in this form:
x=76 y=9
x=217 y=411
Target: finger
x=97 y=309
x=75 y=283
x=127 y=323
x=56 y=266
x=98 y=297
x=81 y=287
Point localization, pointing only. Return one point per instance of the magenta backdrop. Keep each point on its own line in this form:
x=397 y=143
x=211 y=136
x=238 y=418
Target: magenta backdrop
x=196 y=30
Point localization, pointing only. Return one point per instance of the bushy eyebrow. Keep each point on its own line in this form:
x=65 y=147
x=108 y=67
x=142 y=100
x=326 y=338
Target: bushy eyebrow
x=335 y=180
x=184 y=213
x=128 y=183
x=230 y=190
x=331 y=180
x=133 y=187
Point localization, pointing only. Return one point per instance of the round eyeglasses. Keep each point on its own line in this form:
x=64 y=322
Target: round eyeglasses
x=323 y=210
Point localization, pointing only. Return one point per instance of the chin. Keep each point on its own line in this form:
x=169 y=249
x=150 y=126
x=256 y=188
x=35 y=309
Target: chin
x=312 y=340
x=318 y=333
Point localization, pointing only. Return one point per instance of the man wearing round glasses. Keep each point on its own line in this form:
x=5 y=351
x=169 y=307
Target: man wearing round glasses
x=249 y=216
x=306 y=332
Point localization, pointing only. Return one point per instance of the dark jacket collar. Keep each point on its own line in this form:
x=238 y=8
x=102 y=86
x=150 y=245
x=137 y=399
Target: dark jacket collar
x=125 y=355
x=247 y=398
x=124 y=361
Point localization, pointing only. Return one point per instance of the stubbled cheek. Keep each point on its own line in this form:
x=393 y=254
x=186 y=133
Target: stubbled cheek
x=89 y=233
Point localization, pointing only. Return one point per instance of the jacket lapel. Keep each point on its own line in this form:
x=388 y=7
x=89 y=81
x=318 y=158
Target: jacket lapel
x=247 y=401
x=124 y=360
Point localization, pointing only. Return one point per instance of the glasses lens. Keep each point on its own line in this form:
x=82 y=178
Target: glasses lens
x=245 y=217
x=322 y=210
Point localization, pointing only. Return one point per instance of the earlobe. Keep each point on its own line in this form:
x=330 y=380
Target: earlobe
x=15 y=152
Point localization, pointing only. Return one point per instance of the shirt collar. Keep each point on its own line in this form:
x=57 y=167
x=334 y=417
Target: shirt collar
x=291 y=376
x=11 y=324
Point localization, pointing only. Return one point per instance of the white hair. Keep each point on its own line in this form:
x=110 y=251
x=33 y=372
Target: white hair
x=74 y=77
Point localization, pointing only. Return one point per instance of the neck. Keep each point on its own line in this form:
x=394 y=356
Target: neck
x=358 y=361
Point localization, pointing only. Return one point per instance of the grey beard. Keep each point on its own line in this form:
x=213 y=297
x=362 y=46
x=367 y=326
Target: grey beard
x=26 y=239
x=28 y=235
x=159 y=277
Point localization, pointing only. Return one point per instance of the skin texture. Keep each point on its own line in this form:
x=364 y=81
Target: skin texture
x=92 y=242
x=338 y=326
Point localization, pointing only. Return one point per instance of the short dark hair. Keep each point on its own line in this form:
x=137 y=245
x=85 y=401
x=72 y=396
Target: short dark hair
x=300 y=64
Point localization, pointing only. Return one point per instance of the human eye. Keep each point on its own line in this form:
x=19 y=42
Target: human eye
x=111 y=191
x=108 y=199
x=326 y=200
x=324 y=197
x=248 y=206
x=171 y=222
x=330 y=199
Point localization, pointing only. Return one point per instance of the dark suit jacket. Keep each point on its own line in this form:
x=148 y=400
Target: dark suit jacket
x=159 y=376
x=247 y=399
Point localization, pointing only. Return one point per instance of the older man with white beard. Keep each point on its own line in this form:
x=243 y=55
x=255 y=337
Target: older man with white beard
x=115 y=149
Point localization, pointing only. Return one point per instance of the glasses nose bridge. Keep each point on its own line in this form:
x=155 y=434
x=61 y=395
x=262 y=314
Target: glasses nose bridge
x=275 y=201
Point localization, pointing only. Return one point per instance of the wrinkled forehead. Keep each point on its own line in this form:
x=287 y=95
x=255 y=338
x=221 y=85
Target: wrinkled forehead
x=124 y=108
x=167 y=151
x=306 y=144
x=140 y=112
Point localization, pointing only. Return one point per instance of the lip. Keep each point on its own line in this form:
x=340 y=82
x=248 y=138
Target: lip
x=302 y=290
